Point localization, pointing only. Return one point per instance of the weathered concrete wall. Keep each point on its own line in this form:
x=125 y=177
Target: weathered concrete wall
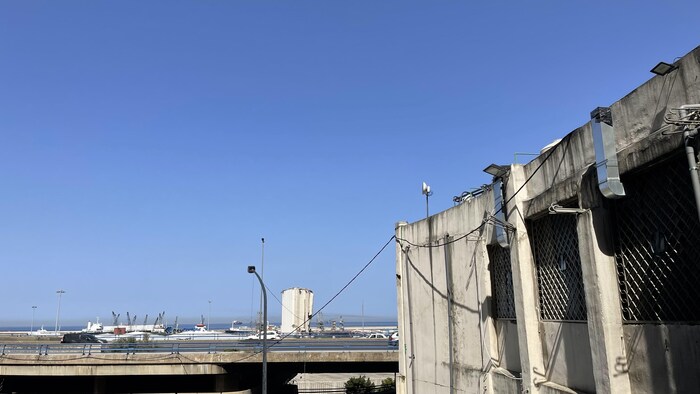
x=508 y=356
x=451 y=343
x=440 y=346
x=567 y=352
x=662 y=358
x=504 y=383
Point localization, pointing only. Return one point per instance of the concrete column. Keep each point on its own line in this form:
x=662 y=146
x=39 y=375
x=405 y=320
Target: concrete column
x=524 y=287
x=223 y=383
x=404 y=318
x=99 y=385
x=602 y=292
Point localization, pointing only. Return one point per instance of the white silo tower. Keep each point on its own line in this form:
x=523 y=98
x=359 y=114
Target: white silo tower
x=297 y=305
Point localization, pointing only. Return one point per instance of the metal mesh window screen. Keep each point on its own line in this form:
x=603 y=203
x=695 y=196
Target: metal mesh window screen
x=501 y=282
x=658 y=245
x=555 y=246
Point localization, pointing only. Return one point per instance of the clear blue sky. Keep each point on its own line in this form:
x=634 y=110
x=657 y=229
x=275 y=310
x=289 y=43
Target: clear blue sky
x=146 y=147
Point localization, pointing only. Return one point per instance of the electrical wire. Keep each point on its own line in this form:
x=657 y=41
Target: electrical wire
x=322 y=307
x=492 y=219
x=461 y=237
x=567 y=138
x=280 y=302
x=346 y=285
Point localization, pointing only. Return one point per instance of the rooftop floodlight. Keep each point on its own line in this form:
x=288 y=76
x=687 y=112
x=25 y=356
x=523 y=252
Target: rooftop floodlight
x=496 y=170
x=425 y=190
x=663 y=68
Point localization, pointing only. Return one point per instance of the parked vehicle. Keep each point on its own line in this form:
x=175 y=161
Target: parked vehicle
x=333 y=334
x=394 y=339
x=271 y=335
x=81 y=338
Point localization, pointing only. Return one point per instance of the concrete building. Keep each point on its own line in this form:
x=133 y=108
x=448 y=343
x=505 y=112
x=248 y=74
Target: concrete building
x=297 y=306
x=586 y=280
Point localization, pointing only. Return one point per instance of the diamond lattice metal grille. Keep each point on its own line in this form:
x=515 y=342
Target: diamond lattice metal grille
x=554 y=243
x=501 y=282
x=658 y=245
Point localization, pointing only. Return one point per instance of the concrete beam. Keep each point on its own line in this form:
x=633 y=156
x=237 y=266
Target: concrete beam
x=167 y=364
x=111 y=370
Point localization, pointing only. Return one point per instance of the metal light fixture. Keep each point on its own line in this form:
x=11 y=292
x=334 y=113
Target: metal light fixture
x=663 y=68
x=251 y=270
x=497 y=171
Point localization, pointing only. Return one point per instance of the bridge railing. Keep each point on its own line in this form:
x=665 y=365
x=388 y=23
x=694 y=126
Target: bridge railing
x=294 y=346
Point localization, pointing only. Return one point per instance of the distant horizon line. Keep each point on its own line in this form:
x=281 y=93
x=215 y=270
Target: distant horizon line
x=190 y=319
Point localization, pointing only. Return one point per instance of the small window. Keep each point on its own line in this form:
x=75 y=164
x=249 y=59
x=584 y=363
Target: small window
x=501 y=282
x=554 y=242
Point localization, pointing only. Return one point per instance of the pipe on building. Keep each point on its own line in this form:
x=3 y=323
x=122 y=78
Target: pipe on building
x=450 y=294
x=688 y=135
x=605 y=155
x=499 y=206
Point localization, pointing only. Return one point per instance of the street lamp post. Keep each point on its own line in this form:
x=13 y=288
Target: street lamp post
x=251 y=270
x=58 y=311
x=31 y=329
x=427 y=192
x=263 y=324
x=209 y=317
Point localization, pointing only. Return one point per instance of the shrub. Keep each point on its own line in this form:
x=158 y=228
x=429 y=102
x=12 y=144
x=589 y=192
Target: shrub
x=120 y=341
x=359 y=385
x=388 y=386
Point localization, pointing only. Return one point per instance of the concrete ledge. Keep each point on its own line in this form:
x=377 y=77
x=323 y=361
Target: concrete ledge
x=553 y=388
x=98 y=364
x=111 y=370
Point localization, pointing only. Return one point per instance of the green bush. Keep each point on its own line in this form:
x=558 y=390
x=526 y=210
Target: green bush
x=120 y=341
x=359 y=385
x=388 y=386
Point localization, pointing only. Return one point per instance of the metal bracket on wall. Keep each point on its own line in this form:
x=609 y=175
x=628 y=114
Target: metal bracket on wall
x=555 y=209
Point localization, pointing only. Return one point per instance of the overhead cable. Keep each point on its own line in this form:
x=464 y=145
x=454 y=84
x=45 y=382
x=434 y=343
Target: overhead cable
x=324 y=305
x=567 y=138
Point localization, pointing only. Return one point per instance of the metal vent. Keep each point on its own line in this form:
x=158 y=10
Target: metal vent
x=554 y=243
x=658 y=245
x=501 y=282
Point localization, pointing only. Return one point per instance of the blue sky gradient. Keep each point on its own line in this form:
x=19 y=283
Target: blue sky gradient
x=146 y=147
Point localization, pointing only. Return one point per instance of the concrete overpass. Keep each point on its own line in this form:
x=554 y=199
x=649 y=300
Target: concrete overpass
x=184 y=372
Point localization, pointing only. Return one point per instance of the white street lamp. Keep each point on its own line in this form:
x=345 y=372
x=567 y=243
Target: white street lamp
x=31 y=329
x=58 y=312
x=209 y=317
